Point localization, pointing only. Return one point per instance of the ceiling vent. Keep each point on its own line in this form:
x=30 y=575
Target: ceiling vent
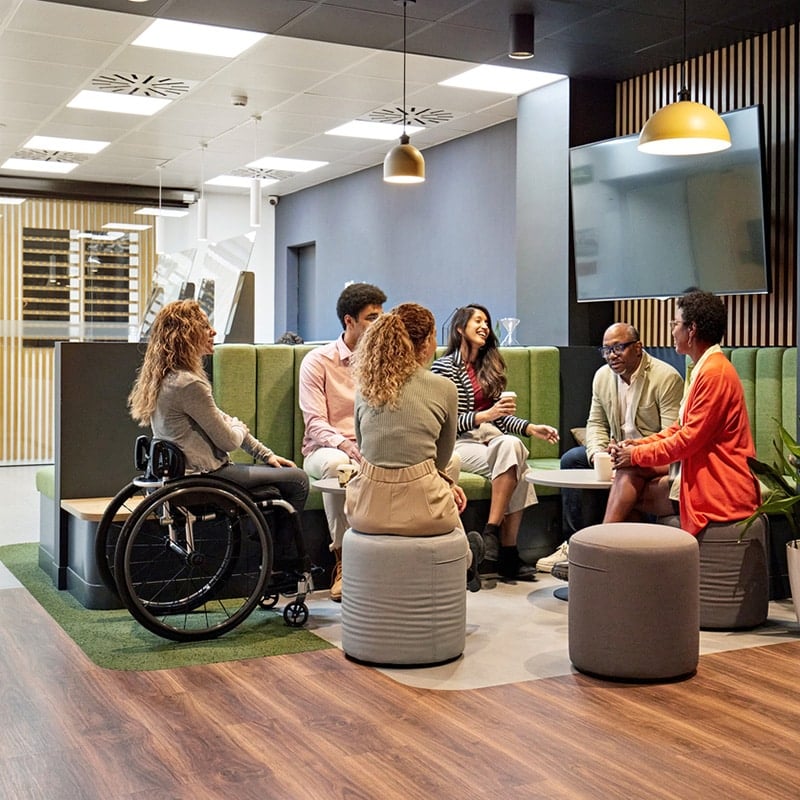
x=413 y=116
x=51 y=155
x=275 y=174
x=142 y=85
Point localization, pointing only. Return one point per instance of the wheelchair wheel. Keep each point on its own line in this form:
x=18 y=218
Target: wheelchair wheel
x=192 y=561
x=295 y=615
x=109 y=528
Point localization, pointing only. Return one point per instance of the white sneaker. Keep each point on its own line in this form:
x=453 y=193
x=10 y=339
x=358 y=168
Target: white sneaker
x=561 y=554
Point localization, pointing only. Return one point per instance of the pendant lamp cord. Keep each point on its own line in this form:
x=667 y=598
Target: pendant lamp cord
x=405 y=3
x=683 y=94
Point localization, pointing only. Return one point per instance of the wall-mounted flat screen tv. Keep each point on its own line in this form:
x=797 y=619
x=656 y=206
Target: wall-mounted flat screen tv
x=652 y=226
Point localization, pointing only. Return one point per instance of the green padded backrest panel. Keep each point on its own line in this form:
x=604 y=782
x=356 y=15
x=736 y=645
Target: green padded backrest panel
x=545 y=368
x=768 y=400
x=234 y=385
x=518 y=370
x=275 y=417
x=789 y=405
x=744 y=360
x=300 y=351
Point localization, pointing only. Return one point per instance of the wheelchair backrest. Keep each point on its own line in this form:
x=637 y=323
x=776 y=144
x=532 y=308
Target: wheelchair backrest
x=159 y=458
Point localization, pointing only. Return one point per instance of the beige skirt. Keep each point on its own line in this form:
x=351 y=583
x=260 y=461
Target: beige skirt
x=407 y=501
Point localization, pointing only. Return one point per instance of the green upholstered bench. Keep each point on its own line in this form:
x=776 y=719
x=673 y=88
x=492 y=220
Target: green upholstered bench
x=259 y=384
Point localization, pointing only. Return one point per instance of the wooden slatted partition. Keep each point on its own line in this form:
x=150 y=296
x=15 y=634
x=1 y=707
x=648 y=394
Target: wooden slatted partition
x=760 y=70
x=26 y=373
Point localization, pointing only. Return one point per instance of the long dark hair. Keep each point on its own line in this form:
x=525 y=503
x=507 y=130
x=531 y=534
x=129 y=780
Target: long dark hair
x=490 y=367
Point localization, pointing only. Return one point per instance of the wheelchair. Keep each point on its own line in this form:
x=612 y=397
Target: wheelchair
x=191 y=556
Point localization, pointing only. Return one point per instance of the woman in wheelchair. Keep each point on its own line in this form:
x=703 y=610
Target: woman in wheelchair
x=172 y=394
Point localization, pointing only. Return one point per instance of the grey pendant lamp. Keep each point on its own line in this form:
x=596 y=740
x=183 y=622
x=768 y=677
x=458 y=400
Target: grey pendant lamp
x=404 y=163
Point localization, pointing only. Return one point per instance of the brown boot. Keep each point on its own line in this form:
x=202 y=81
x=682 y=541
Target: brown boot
x=336 y=578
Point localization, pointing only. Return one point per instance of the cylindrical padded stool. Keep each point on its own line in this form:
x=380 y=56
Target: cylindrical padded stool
x=634 y=601
x=734 y=577
x=404 y=597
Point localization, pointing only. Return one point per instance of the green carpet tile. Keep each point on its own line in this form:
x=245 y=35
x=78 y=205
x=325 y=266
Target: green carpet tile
x=114 y=640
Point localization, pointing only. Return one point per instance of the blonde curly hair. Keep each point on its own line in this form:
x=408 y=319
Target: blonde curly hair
x=178 y=340
x=390 y=351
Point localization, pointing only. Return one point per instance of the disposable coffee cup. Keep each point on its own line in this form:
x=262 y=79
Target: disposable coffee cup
x=512 y=395
x=346 y=472
x=602 y=466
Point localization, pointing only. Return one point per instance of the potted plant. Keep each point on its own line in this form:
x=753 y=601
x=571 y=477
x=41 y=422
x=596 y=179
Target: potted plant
x=781 y=480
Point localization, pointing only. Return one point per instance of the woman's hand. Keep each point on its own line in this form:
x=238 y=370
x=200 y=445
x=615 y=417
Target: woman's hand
x=279 y=461
x=545 y=432
x=504 y=407
x=621 y=456
x=351 y=449
x=459 y=497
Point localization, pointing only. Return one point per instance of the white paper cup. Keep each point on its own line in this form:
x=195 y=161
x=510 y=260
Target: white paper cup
x=602 y=466
x=345 y=473
x=512 y=395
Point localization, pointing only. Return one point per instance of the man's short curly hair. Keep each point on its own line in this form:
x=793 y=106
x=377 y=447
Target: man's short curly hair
x=355 y=298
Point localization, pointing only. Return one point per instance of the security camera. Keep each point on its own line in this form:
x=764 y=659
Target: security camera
x=239 y=99
x=274 y=199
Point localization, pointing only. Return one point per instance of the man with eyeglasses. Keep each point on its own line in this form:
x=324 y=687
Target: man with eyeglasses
x=633 y=395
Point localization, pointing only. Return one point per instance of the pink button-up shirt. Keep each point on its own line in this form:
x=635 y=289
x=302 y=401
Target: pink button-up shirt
x=327 y=396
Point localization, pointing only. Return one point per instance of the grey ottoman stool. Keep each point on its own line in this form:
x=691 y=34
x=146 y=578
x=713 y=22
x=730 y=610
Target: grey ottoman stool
x=734 y=577
x=404 y=597
x=634 y=601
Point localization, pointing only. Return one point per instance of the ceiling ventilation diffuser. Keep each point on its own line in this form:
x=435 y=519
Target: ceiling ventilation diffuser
x=413 y=116
x=142 y=85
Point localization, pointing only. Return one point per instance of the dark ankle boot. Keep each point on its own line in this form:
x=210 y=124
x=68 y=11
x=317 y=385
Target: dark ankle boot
x=511 y=567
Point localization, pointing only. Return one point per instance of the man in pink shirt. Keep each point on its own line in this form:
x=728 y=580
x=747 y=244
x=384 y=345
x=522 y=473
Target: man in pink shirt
x=327 y=397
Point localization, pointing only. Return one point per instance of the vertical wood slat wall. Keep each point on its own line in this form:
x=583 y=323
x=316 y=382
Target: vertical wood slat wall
x=760 y=70
x=26 y=373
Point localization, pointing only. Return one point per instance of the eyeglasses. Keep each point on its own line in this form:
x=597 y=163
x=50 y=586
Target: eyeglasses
x=674 y=323
x=616 y=349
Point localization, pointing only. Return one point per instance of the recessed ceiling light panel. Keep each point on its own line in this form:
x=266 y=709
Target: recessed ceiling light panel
x=11 y=201
x=363 y=129
x=147 y=211
x=126 y=226
x=117 y=103
x=288 y=164
x=239 y=181
x=503 y=80
x=191 y=37
x=38 y=165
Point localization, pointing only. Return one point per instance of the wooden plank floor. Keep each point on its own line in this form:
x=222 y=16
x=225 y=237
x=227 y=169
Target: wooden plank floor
x=318 y=726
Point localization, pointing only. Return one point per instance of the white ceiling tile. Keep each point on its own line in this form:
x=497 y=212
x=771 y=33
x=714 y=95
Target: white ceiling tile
x=55 y=50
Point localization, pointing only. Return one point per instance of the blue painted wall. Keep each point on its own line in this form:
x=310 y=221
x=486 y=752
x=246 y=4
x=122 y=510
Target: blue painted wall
x=443 y=243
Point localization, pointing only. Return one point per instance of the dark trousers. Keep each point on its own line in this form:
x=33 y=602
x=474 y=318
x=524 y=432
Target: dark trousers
x=580 y=507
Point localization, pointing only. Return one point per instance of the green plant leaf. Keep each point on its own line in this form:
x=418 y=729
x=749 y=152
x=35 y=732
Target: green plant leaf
x=770 y=476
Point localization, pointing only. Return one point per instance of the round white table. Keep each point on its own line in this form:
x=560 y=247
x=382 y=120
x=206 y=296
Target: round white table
x=329 y=485
x=566 y=479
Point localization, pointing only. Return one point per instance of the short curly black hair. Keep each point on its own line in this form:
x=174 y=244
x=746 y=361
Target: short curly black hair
x=707 y=312
x=355 y=298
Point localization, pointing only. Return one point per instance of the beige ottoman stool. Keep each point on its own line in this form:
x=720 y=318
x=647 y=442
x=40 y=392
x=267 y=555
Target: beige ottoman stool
x=634 y=601
x=404 y=597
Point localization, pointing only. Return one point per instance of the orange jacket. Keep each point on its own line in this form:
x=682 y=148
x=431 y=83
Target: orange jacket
x=712 y=443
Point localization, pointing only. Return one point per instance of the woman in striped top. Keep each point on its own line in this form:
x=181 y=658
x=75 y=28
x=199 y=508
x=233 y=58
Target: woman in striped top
x=485 y=441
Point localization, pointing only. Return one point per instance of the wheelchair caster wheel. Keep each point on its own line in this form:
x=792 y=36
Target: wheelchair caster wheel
x=269 y=600
x=295 y=615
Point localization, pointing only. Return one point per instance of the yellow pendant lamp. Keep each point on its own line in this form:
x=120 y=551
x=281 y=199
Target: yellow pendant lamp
x=684 y=128
x=404 y=163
